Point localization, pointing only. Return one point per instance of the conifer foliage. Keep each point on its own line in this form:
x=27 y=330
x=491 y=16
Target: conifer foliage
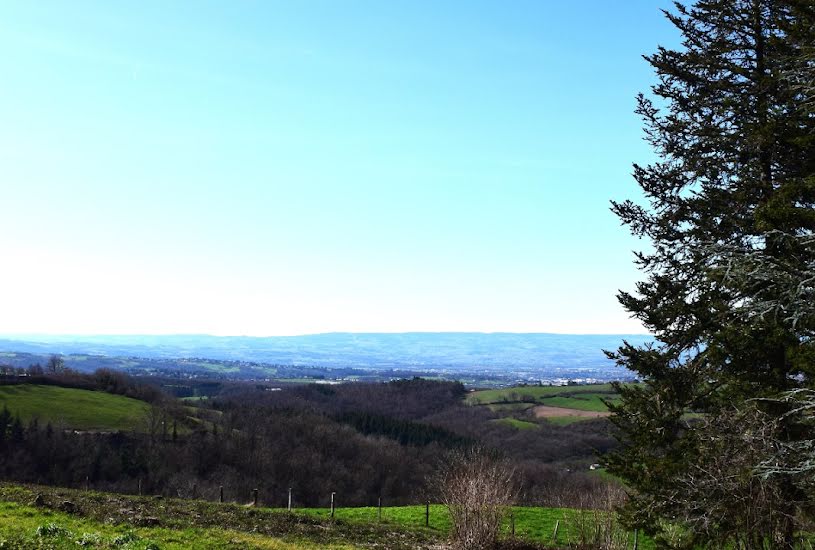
x=729 y=276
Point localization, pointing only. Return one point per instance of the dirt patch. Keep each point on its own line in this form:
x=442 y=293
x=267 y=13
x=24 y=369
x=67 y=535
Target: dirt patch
x=545 y=411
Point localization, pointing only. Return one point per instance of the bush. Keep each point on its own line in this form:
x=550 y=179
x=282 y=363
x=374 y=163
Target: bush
x=478 y=489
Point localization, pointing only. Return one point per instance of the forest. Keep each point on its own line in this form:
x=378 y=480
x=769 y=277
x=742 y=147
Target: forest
x=362 y=441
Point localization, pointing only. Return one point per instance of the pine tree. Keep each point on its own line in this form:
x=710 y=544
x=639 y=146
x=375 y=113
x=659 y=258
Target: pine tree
x=730 y=221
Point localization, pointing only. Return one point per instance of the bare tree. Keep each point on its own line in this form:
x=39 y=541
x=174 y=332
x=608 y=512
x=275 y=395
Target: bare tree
x=478 y=489
x=55 y=364
x=155 y=422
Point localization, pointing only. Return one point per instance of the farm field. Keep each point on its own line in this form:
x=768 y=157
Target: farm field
x=541 y=394
x=73 y=408
x=561 y=405
x=549 y=411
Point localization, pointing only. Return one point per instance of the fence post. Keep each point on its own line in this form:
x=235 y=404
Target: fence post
x=636 y=538
x=554 y=535
x=379 y=509
x=139 y=486
x=255 y=497
x=332 y=505
x=512 y=523
x=221 y=493
x=427 y=514
x=194 y=490
x=289 y=505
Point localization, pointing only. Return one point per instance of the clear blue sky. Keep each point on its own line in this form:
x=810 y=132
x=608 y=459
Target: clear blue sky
x=255 y=167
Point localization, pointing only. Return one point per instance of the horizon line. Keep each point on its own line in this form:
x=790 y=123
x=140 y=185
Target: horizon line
x=299 y=335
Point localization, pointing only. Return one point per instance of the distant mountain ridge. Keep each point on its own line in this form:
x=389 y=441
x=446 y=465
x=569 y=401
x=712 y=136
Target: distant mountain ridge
x=534 y=353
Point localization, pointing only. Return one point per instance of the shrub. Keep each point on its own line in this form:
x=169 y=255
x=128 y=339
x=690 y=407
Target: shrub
x=478 y=489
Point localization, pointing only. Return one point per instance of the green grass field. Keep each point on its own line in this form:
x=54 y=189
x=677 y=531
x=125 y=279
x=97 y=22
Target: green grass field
x=531 y=523
x=73 y=408
x=28 y=527
x=535 y=394
x=512 y=401
x=34 y=516
x=565 y=420
x=106 y=520
x=581 y=402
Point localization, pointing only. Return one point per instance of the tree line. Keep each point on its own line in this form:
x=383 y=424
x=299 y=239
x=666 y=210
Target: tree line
x=362 y=441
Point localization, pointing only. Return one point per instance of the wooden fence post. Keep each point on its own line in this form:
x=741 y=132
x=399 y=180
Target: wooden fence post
x=221 y=493
x=512 y=523
x=255 y=497
x=427 y=514
x=194 y=490
x=289 y=505
x=379 y=509
x=636 y=538
x=87 y=483
x=332 y=505
x=139 y=486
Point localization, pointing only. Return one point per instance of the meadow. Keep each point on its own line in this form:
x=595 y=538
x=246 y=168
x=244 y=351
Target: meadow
x=584 y=397
x=28 y=527
x=533 y=524
x=75 y=408
x=517 y=405
x=35 y=517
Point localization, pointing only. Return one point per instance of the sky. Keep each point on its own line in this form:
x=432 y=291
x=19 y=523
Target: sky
x=277 y=168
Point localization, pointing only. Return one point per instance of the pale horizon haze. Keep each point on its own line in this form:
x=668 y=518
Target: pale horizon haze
x=285 y=168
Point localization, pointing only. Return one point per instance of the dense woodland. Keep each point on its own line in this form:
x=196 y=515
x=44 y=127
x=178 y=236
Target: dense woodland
x=361 y=441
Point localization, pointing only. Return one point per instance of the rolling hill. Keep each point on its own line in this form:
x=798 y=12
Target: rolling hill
x=73 y=408
x=524 y=356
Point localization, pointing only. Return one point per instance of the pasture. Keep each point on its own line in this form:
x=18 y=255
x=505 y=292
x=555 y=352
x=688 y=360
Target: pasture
x=560 y=405
x=24 y=526
x=73 y=408
x=535 y=524
x=107 y=520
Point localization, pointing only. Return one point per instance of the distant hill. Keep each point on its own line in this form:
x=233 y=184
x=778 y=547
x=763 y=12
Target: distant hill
x=525 y=355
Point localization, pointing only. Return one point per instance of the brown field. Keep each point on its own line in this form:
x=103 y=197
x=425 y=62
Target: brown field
x=544 y=411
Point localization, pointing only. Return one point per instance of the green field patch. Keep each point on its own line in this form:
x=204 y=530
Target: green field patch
x=214 y=367
x=73 y=408
x=566 y=420
x=581 y=402
x=516 y=423
x=534 y=394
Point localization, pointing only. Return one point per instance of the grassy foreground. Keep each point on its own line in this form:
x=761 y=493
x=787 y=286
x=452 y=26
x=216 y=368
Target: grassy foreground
x=29 y=527
x=74 y=408
x=532 y=524
x=47 y=517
